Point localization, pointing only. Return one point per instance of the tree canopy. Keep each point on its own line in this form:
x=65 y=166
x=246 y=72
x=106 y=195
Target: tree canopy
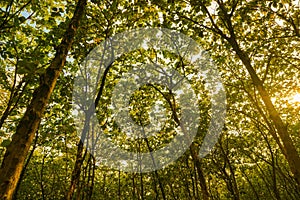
x=48 y=152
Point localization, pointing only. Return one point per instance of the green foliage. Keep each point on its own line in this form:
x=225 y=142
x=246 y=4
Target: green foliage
x=247 y=162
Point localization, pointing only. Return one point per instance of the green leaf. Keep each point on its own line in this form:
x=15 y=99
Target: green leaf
x=5 y=143
x=26 y=66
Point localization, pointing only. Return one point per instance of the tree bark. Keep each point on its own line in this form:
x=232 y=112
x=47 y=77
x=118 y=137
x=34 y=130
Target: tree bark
x=22 y=175
x=17 y=150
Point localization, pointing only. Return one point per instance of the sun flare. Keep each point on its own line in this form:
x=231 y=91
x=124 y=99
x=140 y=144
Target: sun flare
x=296 y=98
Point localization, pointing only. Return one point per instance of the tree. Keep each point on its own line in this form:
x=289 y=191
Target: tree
x=226 y=23
x=250 y=160
x=17 y=150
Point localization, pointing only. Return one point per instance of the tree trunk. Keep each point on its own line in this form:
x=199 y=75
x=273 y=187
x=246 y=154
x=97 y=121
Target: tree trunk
x=80 y=147
x=76 y=171
x=17 y=150
x=201 y=177
x=289 y=149
x=22 y=175
x=230 y=178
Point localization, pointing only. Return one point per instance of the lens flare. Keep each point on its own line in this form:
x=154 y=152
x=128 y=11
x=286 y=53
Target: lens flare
x=296 y=98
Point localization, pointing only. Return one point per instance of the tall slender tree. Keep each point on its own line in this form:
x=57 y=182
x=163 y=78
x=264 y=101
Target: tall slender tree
x=17 y=150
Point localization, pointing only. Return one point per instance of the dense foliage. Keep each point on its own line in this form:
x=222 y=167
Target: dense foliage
x=255 y=46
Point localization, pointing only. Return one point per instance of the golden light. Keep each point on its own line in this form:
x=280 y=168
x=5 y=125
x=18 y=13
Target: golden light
x=296 y=98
